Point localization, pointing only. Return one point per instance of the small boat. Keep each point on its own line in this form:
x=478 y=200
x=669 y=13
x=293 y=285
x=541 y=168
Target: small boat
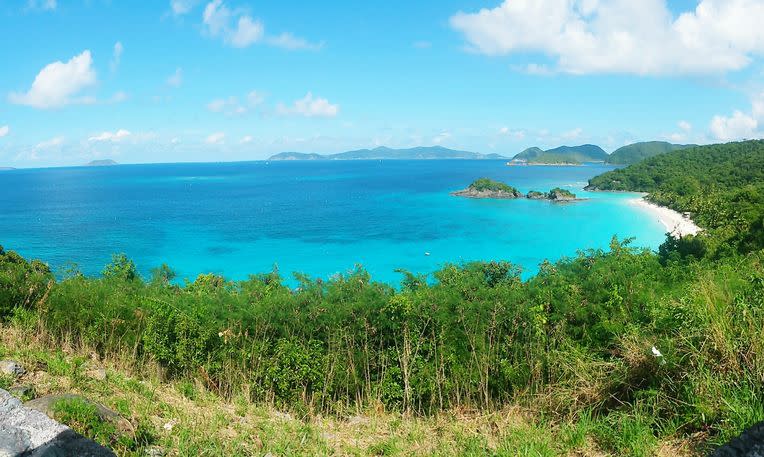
x=427 y=254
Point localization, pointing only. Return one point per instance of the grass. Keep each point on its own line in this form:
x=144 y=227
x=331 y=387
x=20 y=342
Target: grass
x=185 y=418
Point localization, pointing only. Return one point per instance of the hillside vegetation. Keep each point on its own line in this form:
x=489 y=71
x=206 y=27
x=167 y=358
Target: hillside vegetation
x=633 y=153
x=612 y=352
x=721 y=185
x=563 y=155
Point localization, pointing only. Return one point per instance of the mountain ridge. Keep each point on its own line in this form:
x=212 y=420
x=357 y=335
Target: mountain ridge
x=563 y=155
x=636 y=152
x=385 y=153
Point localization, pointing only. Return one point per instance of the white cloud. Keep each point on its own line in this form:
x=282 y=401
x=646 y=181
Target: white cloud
x=181 y=7
x=573 y=134
x=44 y=5
x=52 y=143
x=515 y=134
x=215 y=138
x=538 y=70
x=247 y=32
x=241 y=30
x=255 y=98
x=741 y=125
x=58 y=83
x=685 y=126
x=238 y=32
x=116 y=56
x=620 y=36
x=676 y=137
x=310 y=106
x=757 y=109
x=4 y=130
x=441 y=137
x=119 y=135
x=232 y=106
x=175 y=79
x=119 y=97
x=246 y=139
x=736 y=127
x=288 y=41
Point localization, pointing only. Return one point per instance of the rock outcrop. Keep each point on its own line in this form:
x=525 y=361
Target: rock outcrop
x=25 y=432
x=749 y=444
x=11 y=368
x=499 y=194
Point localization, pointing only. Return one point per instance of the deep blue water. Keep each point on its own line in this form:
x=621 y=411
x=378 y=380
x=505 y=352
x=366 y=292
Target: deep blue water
x=318 y=218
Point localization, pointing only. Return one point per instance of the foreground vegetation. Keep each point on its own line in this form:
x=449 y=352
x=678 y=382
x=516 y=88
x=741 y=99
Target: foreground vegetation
x=616 y=352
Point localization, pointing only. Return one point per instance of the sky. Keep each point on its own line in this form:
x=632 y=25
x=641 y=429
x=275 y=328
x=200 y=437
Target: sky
x=228 y=80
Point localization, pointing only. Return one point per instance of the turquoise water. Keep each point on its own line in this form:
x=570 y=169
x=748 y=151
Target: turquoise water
x=319 y=218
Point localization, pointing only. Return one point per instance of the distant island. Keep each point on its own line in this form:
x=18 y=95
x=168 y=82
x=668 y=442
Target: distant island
x=6 y=168
x=488 y=188
x=101 y=163
x=385 y=153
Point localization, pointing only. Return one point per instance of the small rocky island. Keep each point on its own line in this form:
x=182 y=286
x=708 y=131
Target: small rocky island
x=488 y=188
x=556 y=195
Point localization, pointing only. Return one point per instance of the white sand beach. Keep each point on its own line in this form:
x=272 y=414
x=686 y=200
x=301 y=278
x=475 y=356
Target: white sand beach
x=676 y=223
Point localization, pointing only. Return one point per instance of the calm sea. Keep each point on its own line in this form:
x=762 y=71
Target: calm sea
x=318 y=218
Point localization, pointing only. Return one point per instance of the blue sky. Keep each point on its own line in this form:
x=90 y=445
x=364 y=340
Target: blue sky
x=212 y=80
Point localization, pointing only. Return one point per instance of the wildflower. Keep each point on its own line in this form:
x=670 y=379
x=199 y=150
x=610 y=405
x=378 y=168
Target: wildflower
x=657 y=354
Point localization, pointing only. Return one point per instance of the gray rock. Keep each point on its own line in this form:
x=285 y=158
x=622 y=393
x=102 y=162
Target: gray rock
x=14 y=442
x=11 y=367
x=749 y=444
x=154 y=451
x=46 y=406
x=22 y=392
x=30 y=433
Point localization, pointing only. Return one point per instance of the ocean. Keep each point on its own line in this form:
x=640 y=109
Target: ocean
x=318 y=218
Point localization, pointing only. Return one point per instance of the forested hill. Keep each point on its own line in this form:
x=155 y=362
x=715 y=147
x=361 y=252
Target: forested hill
x=563 y=154
x=719 y=166
x=722 y=185
x=633 y=153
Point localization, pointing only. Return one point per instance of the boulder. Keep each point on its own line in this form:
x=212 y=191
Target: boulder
x=11 y=367
x=30 y=433
x=22 y=392
x=749 y=444
x=46 y=406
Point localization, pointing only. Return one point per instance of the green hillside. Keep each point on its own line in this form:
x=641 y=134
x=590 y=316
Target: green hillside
x=633 y=153
x=563 y=154
x=721 y=184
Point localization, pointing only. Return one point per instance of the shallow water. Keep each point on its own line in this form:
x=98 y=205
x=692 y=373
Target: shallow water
x=318 y=218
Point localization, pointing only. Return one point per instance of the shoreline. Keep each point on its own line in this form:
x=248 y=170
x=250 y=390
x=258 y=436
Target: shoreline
x=675 y=223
